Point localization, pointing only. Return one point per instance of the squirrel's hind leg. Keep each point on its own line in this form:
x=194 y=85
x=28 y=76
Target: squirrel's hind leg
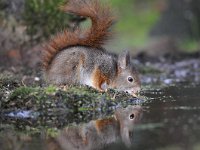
x=65 y=69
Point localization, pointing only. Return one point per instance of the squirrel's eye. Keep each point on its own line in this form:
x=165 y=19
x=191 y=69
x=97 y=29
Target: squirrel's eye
x=130 y=79
x=132 y=116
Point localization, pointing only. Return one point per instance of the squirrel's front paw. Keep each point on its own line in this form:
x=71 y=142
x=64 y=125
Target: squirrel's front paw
x=63 y=87
x=104 y=86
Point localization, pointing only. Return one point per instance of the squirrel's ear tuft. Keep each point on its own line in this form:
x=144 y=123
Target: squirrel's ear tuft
x=124 y=59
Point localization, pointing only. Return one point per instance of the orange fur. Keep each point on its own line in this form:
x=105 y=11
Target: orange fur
x=101 y=124
x=98 y=79
x=95 y=37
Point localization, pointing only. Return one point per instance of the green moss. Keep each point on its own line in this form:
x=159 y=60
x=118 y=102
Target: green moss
x=75 y=98
x=52 y=132
x=50 y=89
x=22 y=92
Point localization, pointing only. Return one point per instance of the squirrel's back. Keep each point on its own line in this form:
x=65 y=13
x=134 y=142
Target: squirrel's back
x=76 y=65
x=102 y=19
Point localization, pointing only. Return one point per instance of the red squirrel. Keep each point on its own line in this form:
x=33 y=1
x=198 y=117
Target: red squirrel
x=97 y=134
x=78 y=57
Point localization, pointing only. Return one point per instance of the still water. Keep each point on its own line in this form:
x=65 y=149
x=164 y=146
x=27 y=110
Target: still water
x=172 y=121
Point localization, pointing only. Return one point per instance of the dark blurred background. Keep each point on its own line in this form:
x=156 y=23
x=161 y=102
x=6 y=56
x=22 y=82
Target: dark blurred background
x=146 y=28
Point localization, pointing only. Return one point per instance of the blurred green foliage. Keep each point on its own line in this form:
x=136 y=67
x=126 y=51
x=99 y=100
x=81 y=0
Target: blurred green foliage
x=44 y=18
x=136 y=18
x=189 y=45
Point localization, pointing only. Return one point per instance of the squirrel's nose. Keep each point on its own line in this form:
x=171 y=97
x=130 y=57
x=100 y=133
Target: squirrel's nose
x=135 y=91
x=134 y=94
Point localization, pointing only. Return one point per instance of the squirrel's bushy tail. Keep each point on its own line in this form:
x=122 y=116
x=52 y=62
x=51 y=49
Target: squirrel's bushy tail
x=102 y=19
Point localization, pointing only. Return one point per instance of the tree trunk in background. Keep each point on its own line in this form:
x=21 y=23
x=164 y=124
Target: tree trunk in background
x=180 y=19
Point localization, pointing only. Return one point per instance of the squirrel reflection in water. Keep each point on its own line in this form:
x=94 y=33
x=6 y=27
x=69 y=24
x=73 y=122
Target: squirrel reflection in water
x=98 y=134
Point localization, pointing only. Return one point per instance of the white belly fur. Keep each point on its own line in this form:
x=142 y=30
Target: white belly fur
x=85 y=79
